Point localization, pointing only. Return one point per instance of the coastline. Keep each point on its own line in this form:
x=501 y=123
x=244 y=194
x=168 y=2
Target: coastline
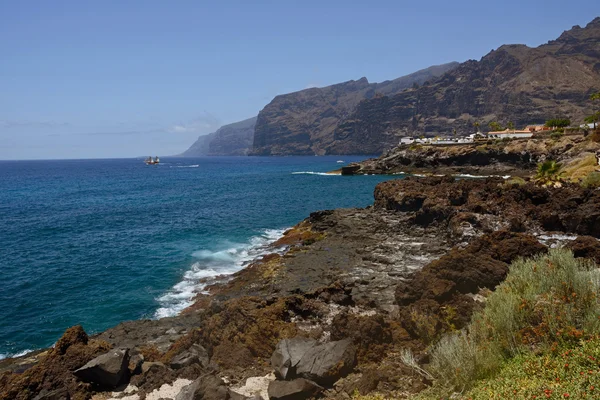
x=351 y=268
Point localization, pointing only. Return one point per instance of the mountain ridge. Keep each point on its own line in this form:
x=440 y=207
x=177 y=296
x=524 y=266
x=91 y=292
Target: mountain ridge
x=513 y=83
x=303 y=122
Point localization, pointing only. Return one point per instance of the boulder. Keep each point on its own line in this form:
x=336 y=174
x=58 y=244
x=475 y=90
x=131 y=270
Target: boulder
x=196 y=354
x=107 y=370
x=328 y=362
x=206 y=387
x=288 y=354
x=297 y=389
x=135 y=364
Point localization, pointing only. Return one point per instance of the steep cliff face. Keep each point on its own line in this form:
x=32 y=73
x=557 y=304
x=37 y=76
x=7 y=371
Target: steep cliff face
x=229 y=140
x=514 y=83
x=303 y=122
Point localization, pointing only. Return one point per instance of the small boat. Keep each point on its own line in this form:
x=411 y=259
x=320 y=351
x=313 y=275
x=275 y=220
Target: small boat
x=341 y=161
x=151 y=161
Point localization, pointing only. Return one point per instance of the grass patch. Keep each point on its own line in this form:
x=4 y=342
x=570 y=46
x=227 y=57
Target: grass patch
x=545 y=303
x=579 y=169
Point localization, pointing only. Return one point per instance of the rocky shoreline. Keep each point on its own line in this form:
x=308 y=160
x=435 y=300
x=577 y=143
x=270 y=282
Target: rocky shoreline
x=516 y=157
x=329 y=315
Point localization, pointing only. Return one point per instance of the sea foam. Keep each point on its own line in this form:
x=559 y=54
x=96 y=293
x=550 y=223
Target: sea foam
x=314 y=173
x=213 y=263
x=19 y=354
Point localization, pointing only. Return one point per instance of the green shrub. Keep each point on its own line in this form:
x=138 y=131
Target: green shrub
x=557 y=134
x=592 y=180
x=548 y=172
x=544 y=302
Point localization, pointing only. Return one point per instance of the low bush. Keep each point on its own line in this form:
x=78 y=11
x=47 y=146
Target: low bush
x=557 y=134
x=569 y=371
x=545 y=302
x=592 y=180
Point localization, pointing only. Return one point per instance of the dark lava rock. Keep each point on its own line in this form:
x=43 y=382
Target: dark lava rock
x=196 y=354
x=107 y=370
x=206 y=387
x=491 y=204
x=288 y=354
x=437 y=297
x=482 y=264
x=328 y=362
x=586 y=247
x=298 y=389
x=371 y=334
x=153 y=376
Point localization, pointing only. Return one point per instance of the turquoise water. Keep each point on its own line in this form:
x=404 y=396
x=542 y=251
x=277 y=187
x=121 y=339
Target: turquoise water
x=97 y=242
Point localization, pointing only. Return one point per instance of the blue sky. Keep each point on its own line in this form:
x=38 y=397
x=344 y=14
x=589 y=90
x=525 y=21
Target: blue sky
x=82 y=79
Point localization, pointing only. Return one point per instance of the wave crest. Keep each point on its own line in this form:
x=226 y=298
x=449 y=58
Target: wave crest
x=210 y=264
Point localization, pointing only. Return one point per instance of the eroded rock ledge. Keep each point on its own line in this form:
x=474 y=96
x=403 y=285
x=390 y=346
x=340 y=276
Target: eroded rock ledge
x=351 y=290
x=517 y=157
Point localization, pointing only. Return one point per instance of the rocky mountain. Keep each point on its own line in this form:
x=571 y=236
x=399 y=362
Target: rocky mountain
x=514 y=83
x=229 y=140
x=304 y=122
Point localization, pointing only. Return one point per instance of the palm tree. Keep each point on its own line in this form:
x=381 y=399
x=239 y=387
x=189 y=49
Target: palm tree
x=476 y=125
x=548 y=172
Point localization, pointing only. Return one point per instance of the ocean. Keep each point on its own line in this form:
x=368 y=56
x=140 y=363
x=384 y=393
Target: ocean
x=98 y=242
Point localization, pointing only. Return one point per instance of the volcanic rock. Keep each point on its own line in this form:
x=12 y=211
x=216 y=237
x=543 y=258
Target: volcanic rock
x=107 y=370
x=288 y=354
x=298 y=389
x=328 y=362
x=194 y=354
x=206 y=387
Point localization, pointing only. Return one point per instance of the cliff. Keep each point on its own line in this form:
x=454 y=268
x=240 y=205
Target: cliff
x=229 y=140
x=302 y=123
x=514 y=83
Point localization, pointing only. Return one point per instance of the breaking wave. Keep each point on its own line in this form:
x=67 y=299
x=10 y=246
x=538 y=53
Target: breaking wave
x=13 y=355
x=314 y=173
x=226 y=259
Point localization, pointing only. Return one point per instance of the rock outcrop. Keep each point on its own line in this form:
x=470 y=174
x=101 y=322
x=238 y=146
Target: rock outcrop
x=514 y=157
x=514 y=83
x=229 y=140
x=303 y=123
x=107 y=370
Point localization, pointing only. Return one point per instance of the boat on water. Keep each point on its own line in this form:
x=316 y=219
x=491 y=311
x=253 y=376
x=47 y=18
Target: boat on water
x=341 y=161
x=152 y=161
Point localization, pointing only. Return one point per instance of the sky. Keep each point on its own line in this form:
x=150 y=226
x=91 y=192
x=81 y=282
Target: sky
x=108 y=79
